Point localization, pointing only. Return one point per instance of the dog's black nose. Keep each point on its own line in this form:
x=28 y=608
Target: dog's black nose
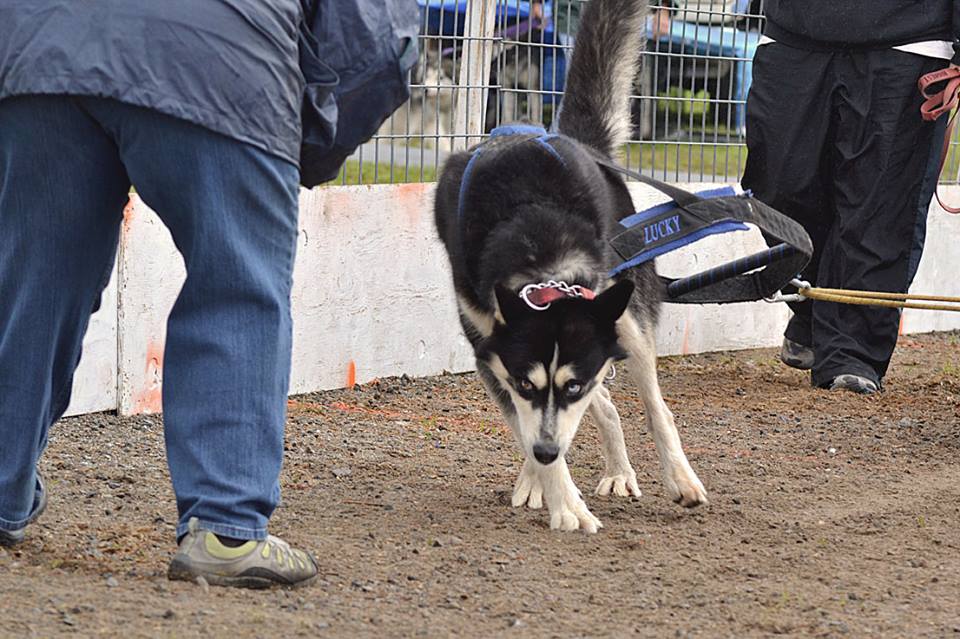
x=545 y=453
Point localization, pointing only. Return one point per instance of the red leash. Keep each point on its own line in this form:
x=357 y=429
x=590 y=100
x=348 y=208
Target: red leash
x=938 y=104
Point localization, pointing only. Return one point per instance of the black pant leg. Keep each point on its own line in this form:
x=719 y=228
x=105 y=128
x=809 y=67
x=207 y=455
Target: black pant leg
x=789 y=134
x=882 y=184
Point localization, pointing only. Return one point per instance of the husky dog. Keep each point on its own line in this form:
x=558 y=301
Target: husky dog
x=428 y=114
x=526 y=221
x=517 y=71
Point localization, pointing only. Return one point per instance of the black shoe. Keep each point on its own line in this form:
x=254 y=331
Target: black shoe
x=14 y=537
x=854 y=384
x=796 y=355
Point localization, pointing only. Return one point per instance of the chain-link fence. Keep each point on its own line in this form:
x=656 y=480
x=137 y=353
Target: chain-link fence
x=485 y=62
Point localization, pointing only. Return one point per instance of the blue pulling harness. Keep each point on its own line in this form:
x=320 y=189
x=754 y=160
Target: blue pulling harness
x=686 y=219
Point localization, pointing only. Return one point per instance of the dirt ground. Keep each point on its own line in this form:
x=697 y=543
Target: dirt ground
x=831 y=515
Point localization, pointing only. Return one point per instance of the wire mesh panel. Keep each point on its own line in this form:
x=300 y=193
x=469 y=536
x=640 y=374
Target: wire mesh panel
x=486 y=62
x=690 y=99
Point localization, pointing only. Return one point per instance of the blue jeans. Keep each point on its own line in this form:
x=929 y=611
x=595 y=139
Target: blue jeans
x=66 y=166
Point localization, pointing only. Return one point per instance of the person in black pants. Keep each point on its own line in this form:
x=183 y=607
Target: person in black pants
x=836 y=142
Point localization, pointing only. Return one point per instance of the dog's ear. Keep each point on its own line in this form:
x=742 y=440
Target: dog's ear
x=510 y=306
x=611 y=304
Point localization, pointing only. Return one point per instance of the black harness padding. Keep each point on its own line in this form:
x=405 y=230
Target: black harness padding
x=737 y=281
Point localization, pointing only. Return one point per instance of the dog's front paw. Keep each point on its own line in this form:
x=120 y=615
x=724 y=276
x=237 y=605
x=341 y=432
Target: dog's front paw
x=572 y=514
x=684 y=487
x=528 y=490
x=622 y=484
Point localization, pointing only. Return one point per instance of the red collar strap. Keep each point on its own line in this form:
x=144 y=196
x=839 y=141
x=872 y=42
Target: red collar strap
x=539 y=296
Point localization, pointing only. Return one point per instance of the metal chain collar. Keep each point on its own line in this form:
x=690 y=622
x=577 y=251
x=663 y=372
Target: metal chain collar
x=570 y=290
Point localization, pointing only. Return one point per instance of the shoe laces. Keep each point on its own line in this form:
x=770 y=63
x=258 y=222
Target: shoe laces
x=283 y=554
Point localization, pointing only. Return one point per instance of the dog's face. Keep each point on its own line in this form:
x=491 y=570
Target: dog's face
x=549 y=364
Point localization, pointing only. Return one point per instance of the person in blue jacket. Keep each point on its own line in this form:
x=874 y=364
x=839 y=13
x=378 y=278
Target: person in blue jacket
x=198 y=106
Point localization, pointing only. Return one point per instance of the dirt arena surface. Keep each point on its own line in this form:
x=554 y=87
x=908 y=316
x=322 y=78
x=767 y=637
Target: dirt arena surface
x=830 y=515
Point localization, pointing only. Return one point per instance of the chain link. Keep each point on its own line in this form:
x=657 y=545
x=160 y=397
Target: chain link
x=570 y=290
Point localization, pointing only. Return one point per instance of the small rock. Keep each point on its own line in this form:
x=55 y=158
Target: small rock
x=839 y=626
x=169 y=614
x=309 y=606
x=341 y=472
x=112 y=582
x=832 y=450
x=516 y=623
x=83 y=608
x=68 y=620
x=203 y=584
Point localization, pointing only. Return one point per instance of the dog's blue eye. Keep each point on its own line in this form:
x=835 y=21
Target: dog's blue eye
x=573 y=389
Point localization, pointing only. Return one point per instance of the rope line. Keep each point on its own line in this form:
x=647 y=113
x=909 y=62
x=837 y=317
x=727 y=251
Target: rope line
x=874 y=298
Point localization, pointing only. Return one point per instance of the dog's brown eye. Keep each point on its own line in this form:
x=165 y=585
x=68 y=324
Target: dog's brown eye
x=525 y=385
x=572 y=389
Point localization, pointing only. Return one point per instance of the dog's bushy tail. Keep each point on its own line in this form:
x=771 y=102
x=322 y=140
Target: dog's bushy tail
x=606 y=59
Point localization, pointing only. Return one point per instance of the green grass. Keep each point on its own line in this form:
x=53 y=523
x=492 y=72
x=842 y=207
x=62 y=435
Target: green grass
x=665 y=158
x=381 y=173
x=952 y=164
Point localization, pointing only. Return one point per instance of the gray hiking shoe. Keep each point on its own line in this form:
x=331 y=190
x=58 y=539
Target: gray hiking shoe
x=796 y=355
x=255 y=564
x=14 y=537
x=854 y=384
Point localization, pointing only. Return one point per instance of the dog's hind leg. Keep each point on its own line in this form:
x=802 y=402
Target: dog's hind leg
x=619 y=476
x=535 y=98
x=681 y=483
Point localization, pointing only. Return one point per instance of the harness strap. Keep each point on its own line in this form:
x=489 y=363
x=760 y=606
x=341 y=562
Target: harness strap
x=689 y=218
x=696 y=216
x=521 y=133
x=937 y=104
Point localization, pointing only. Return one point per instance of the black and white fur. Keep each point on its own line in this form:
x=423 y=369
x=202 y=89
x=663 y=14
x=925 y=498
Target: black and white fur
x=528 y=217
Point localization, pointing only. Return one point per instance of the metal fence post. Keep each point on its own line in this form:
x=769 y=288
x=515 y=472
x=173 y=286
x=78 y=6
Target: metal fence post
x=474 y=74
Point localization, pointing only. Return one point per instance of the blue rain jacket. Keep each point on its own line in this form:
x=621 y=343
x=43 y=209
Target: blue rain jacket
x=296 y=78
